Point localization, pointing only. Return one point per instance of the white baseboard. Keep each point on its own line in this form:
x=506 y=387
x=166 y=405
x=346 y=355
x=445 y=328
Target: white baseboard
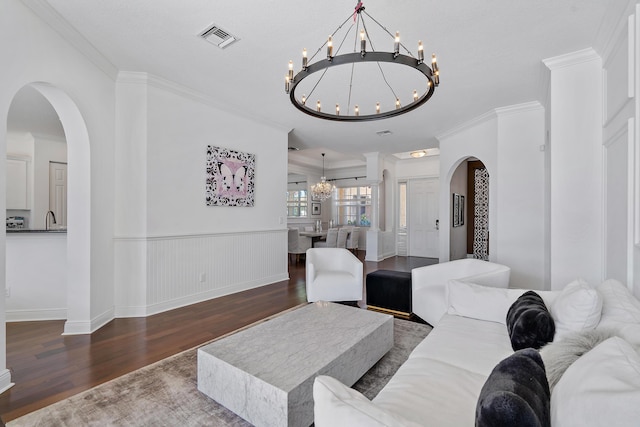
x=36 y=315
x=5 y=381
x=74 y=327
x=143 y=311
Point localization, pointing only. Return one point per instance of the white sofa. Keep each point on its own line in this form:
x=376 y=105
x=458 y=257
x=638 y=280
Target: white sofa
x=441 y=381
x=428 y=283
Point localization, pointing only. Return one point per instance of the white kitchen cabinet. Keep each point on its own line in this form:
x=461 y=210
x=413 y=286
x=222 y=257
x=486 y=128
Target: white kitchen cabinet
x=17 y=184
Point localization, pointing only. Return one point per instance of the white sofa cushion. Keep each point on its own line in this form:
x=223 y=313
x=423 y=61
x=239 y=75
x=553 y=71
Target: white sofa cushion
x=601 y=388
x=620 y=310
x=335 y=404
x=578 y=307
x=440 y=382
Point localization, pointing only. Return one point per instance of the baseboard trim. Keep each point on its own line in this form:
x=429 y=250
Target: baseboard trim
x=5 y=381
x=36 y=315
x=149 y=310
x=83 y=327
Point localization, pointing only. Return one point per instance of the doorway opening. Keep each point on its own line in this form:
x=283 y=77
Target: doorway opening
x=78 y=198
x=468 y=210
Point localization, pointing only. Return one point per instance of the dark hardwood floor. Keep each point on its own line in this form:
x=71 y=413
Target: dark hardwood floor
x=47 y=367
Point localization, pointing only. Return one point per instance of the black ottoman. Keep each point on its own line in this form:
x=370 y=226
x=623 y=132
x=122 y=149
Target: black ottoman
x=389 y=291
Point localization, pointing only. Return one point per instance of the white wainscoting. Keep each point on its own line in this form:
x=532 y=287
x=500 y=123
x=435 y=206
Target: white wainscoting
x=156 y=274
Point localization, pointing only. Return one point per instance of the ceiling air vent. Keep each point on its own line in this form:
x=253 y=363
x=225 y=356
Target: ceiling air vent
x=384 y=133
x=217 y=36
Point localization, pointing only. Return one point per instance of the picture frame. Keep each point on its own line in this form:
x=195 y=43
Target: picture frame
x=456 y=210
x=230 y=177
x=315 y=208
x=461 y=211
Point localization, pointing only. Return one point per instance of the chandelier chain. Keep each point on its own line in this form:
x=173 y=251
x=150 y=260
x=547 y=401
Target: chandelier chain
x=353 y=65
x=318 y=82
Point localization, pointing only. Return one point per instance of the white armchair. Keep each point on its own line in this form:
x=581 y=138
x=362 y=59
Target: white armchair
x=428 y=284
x=333 y=274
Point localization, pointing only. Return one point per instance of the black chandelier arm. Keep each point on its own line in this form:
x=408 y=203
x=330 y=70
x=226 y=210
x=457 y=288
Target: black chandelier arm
x=352 y=58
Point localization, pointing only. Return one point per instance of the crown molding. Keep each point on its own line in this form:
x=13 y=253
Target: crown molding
x=137 y=77
x=489 y=115
x=51 y=17
x=571 y=59
x=519 y=108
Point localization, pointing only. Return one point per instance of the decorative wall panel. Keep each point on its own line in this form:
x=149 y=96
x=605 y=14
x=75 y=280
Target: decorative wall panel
x=481 y=215
x=182 y=270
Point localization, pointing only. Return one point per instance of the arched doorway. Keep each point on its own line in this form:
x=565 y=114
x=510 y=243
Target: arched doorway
x=78 y=208
x=469 y=210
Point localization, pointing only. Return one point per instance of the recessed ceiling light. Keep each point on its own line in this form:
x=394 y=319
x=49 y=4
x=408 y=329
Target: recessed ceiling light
x=417 y=154
x=384 y=133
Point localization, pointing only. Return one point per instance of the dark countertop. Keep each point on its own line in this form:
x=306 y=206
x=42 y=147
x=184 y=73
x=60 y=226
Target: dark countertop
x=29 y=230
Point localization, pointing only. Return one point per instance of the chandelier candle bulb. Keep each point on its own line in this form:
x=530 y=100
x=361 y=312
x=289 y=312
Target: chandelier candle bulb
x=304 y=59
x=337 y=109
x=415 y=95
x=304 y=99
x=329 y=49
x=396 y=44
x=318 y=106
x=377 y=108
x=356 y=110
x=290 y=70
x=420 y=52
x=287 y=84
x=363 y=43
x=397 y=103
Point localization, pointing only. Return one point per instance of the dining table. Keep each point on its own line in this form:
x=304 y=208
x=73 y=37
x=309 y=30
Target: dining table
x=314 y=235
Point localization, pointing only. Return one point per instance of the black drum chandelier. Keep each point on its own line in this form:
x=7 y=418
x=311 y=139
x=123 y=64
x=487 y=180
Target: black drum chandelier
x=360 y=55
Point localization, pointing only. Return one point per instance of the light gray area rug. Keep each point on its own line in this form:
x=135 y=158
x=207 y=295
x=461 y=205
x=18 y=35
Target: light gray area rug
x=166 y=394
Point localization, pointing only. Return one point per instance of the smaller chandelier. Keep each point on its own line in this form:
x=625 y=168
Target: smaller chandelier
x=322 y=190
x=363 y=53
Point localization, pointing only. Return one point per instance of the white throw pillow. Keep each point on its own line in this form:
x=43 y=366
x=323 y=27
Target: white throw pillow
x=480 y=302
x=578 y=307
x=602 y=388
x=335 y=404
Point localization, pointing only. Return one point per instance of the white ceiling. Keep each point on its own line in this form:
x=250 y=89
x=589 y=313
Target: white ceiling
x=489 y=55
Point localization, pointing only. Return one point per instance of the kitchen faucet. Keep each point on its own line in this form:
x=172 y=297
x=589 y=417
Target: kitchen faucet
x=46 y=219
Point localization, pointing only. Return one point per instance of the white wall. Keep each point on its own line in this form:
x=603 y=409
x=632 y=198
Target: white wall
x=576 y=218
x=479 y=139
x=520 y=194
x=176 y=250
x=621 y=140
x=507 y=141
x=36 y=293
x=33 y=52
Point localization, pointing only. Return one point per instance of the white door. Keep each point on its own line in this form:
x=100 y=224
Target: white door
x=422 y=224
x=58 y=192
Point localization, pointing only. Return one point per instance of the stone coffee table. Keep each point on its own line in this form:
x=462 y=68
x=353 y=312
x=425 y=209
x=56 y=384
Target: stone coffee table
x=265 y=373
